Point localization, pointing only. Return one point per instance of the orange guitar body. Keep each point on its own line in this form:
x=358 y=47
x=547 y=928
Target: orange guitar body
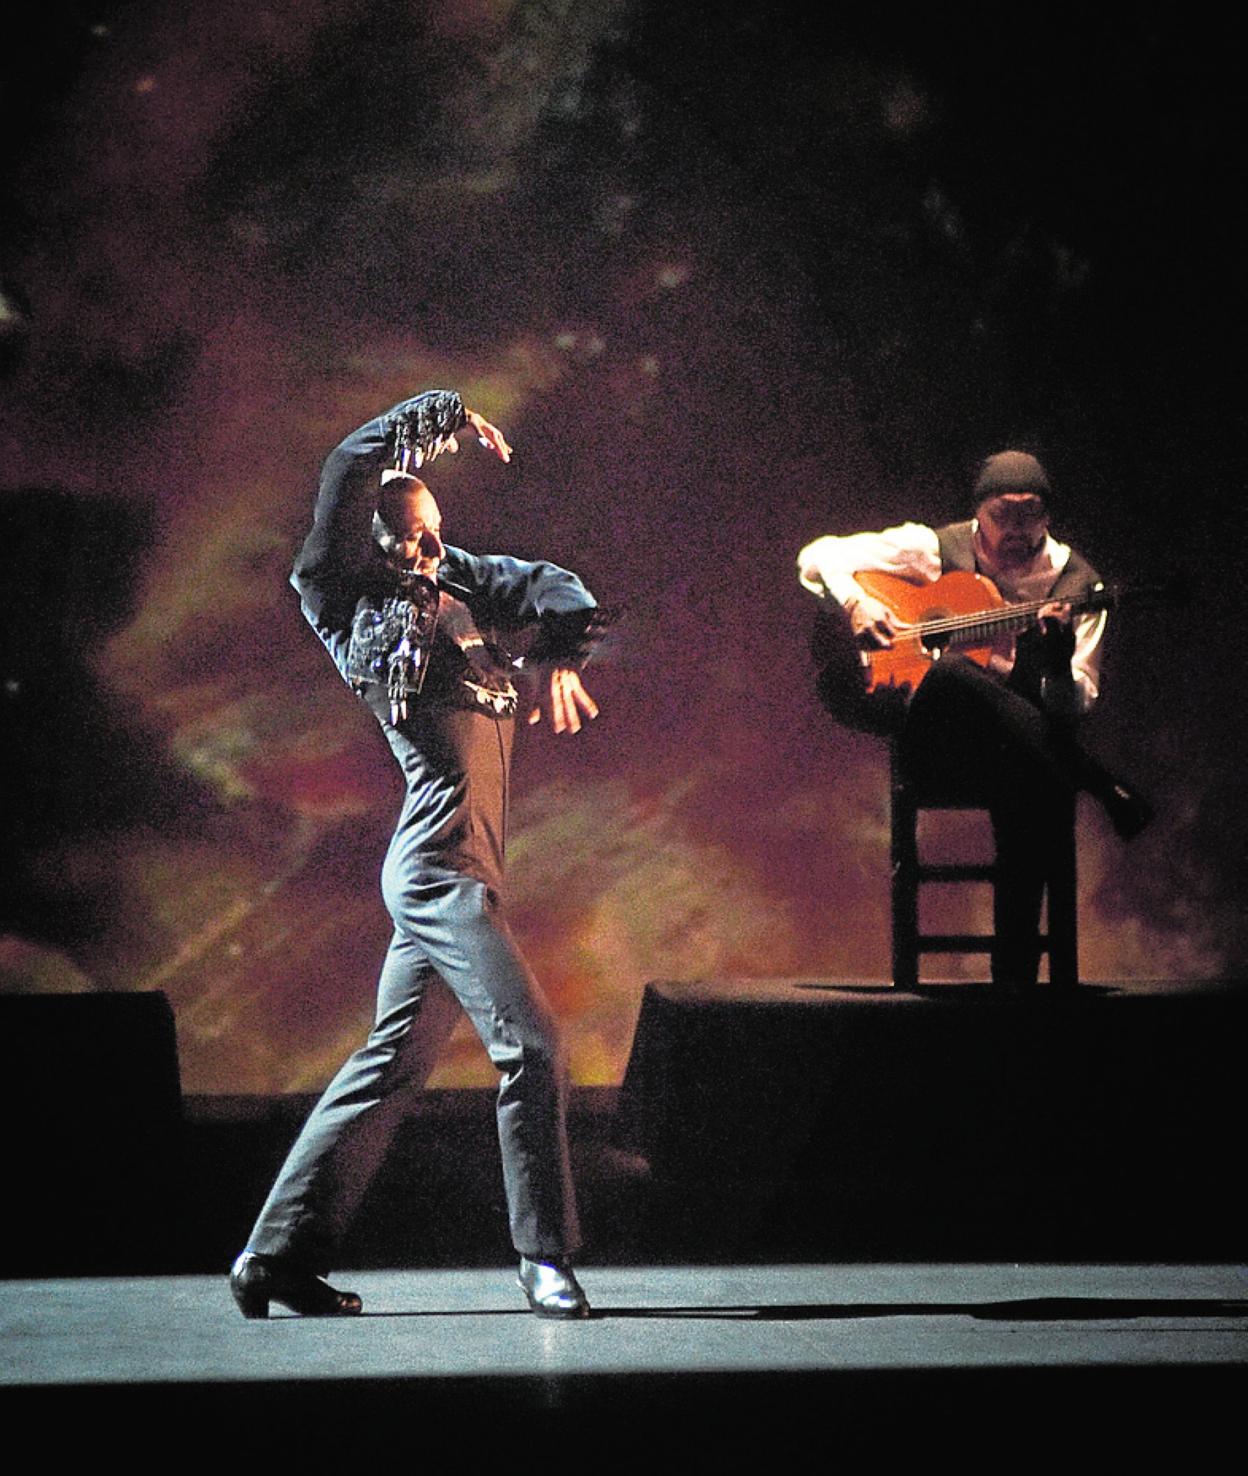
x=868 y=687
x=908 y=661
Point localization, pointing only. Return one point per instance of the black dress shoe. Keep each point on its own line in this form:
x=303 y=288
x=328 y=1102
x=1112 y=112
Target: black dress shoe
x=1129 y=812
x=552 y=1290
x=257 y=1280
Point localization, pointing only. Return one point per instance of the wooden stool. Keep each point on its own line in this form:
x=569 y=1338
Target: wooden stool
x=909 y=873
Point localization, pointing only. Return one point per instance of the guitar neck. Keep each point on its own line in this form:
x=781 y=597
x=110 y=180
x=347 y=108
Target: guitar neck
x=983 y=625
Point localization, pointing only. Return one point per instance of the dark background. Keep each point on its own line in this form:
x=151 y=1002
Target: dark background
x=729 y=278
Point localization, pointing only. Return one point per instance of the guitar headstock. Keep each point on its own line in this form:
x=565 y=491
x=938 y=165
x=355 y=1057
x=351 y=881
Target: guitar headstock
x=1174 y=591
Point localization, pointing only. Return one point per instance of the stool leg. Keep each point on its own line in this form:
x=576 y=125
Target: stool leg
x=1017 y=896
x=905 y=890
x=1063 y=927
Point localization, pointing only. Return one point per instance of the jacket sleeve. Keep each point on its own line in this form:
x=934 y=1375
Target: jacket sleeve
x=513 y=594
x=338 y=550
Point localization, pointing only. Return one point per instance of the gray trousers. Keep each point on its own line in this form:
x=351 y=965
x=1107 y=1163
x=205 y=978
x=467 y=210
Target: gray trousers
x=440 y=886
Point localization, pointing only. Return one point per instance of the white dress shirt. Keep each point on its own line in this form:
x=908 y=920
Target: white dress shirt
x=911 y=551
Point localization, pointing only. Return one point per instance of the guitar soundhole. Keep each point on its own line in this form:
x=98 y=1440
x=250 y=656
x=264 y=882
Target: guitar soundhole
x=937 y=612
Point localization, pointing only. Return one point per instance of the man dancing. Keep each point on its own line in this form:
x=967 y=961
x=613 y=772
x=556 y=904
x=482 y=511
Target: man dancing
x=410 y=624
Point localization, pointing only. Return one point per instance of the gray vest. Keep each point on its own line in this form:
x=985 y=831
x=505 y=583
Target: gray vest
x=957 y=551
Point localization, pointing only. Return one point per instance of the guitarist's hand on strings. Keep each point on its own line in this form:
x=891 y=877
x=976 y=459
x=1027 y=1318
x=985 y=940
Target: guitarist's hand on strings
x=1057 y=633
x=871 y=621
x=1055 y=638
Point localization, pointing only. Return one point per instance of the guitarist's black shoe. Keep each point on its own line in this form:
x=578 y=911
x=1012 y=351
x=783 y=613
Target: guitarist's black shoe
x=1129 y=812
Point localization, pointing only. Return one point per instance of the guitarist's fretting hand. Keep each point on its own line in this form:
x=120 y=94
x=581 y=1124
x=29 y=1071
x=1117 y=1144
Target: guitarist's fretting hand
x=1057 y=638
x=1058 y=613
x=871 y=621
x=1042 y=665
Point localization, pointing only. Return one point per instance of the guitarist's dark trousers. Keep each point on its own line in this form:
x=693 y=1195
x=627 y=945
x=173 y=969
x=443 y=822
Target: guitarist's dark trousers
x=968 y=732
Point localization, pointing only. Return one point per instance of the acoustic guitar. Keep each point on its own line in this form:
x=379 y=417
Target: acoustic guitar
x=867 y=687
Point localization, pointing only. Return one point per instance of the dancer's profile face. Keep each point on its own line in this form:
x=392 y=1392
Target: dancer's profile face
x=414 y=520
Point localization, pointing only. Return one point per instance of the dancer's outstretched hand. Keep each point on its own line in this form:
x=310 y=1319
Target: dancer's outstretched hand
x=489 y=435
x=563 y=699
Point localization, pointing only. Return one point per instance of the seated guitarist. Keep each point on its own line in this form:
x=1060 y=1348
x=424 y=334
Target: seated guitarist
x=1002 y=732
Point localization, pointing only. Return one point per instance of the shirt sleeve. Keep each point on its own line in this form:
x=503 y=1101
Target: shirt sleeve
x=1085 y=664
x=828 y=565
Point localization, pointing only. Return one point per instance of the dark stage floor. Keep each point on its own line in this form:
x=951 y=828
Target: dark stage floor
x=822 y=1221
x=696 y=1357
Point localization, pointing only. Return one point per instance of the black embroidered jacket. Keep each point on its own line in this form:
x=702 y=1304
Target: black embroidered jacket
x=364 y=609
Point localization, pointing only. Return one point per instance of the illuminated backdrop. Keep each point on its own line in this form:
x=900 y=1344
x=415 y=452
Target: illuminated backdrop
x=726 y=283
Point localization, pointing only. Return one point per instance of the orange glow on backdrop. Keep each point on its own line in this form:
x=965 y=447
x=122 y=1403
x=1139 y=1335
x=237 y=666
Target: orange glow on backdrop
x=256 y=249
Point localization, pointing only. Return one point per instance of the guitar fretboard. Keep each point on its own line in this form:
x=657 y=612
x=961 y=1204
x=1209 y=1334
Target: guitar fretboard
x=980 y=627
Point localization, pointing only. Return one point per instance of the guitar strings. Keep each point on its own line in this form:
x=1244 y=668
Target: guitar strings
x=991 y=619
